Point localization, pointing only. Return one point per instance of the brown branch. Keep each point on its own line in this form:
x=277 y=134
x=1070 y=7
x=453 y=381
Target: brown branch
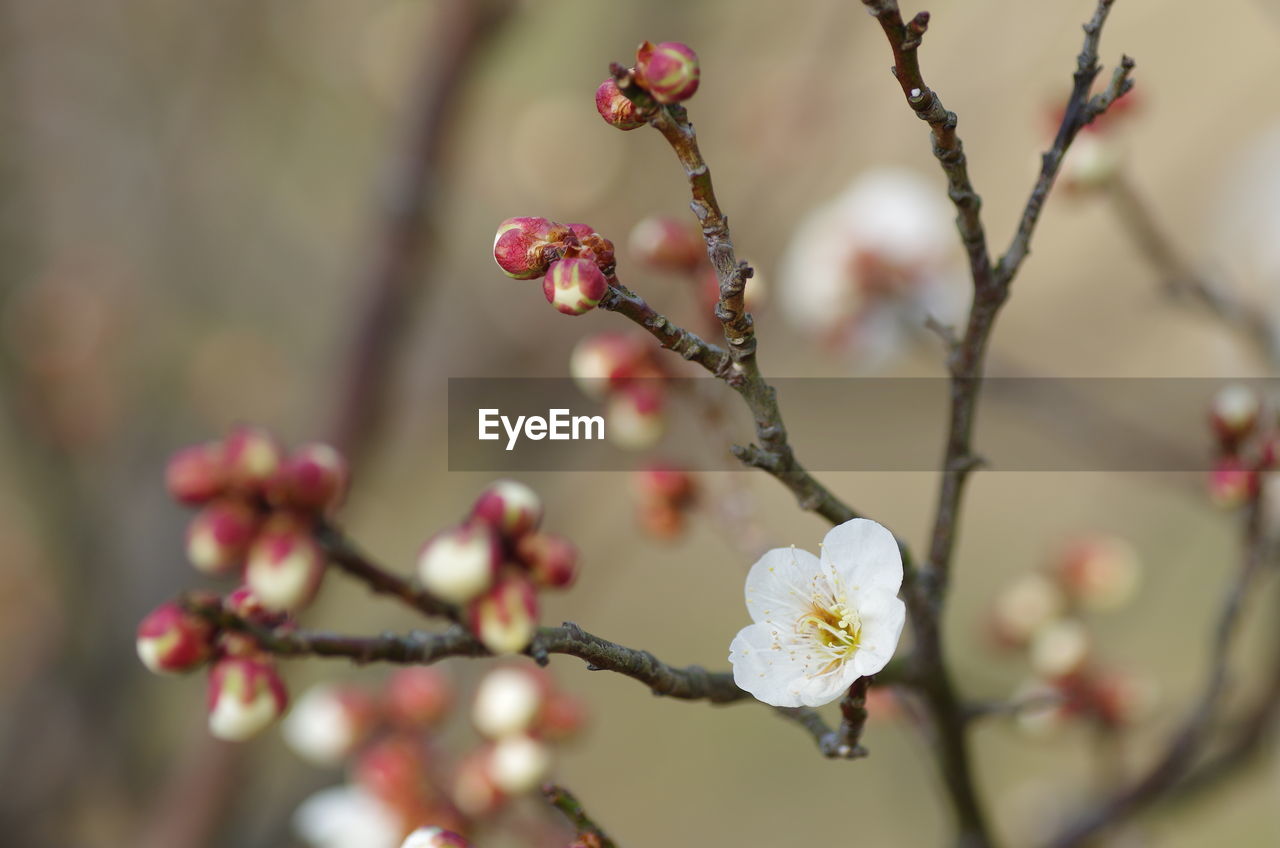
x=344 y=554
x=564 y=801
x=1180 y=753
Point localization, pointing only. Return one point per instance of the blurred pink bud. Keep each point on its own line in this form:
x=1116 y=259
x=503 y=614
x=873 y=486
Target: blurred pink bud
x=511 y=508
x=172 y=640
x=460 y=563
x=1028 y=605
x=1100 y=573
x=1231 y=483
x=243 y=603
x=604 y=361
x=552 y=561
x=1121 y=699
x=197 y=474
x=616 y=109
x=1060 y=648
x=665 y=483
x=253 y=456
x=1234 y=412
x=509 y=700
x=505 y=618
x=519 y=246
x=661 y=520
x=219 y=535
x=434 y=837
x=393 y=769
x=475 y=792
x=245 y=695
x=313 y=478
x=519 y=764
x=563 y=717
x=285 y=564
x=667 y=245
x=419 y=696
x=669 y=71
x=634 y=417
x=574 y=286
x=328 y=723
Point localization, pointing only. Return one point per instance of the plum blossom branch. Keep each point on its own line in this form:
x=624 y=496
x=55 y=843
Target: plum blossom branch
x=1180 y=753
x=344 y=554
x=565 y=801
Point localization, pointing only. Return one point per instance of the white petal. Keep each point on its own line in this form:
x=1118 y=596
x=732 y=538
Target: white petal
x=865 y=556
x=780 y=586
x=883 y=616
x=825 y=688
x=763 y=666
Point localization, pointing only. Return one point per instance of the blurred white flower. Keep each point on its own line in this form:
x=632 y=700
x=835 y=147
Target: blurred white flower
x=347 y=817
x=820 y=623
x=867 y=268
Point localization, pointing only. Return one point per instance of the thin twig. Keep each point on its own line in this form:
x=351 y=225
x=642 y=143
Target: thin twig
x=344 y=554
x=565 y=801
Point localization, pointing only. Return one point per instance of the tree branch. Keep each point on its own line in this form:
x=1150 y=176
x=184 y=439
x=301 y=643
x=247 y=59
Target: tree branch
x=564 y=801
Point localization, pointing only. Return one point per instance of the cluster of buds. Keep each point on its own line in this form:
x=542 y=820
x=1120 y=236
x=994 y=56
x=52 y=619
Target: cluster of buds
x=1042 y=613
x=665 y=494
x=573 y=260
x=623 y=371
x=668 y=72
x=258 y=510
x=1244 y=448
x=1095 y=156
x=401 y=783
x=494 y=562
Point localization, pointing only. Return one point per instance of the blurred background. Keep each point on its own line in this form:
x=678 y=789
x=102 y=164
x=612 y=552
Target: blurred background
x=282 y=212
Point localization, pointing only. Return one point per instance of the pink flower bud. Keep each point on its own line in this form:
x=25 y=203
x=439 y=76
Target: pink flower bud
x=419 y=696
x=616 y=109
x=519 y=246
x=458 y=564
x=285 y=564
x=605 y=361
x=563 y=717
x=253 y=456
x=634 y=416
x=1060 y=648
x=666 y=484
x=434 y=837
x=1121 y=699
x=245 y=695
x=1100 y=573
x=552 y=561
x=505 y=618
x=393 y=769
x=219 y=535
x=667 y=245
x=1234 y=413
x=519 y=764
x=313 y=478
x=1028 y=605
x=600 y=248
x=574 y=286
x=668 y=71
x=172 y=640
x=511 y=508
x=475 y=792
x=243 y=603
x=197 y=474
x=1231 y=483
x=509 y=700
x=328 y=723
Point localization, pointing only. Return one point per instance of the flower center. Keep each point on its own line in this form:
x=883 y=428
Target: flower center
x=836 y=627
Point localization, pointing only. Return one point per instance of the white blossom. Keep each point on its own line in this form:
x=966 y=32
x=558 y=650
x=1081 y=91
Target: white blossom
x=347 y=817
x=820 y=623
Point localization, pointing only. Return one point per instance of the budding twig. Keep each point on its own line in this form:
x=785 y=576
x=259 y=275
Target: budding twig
x=565 y=801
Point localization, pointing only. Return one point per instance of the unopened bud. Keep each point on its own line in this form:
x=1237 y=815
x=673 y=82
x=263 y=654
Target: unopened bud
x=242 y=603
x=392 y=769
x=552 y=561
x=1231 y=483
x=668 y=71
x=197 y=474
x=1100 y=573
x=219 y=536
x=172 y=640
x=508 y=701
x=285 y=564
x=245 y=695
x=1122 y=699
x=661 y=520
x=511 y=508
x=328 y=723
x=434 y=837
x=1060 y=649
x=1025 y=607
x=666 y=484
x=574 y=285
x=1092 y=162
x=475 y=792
x=1234 y=413
x=458 y=564
x=667 y=245
x=634 y=416
x=419 y=696
x=520 y=244
x=519 y=764
x=616 y=109
x=253 y=456
x=603 y=361
x=563 y=717
x=505 y=618
x=313 y=478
